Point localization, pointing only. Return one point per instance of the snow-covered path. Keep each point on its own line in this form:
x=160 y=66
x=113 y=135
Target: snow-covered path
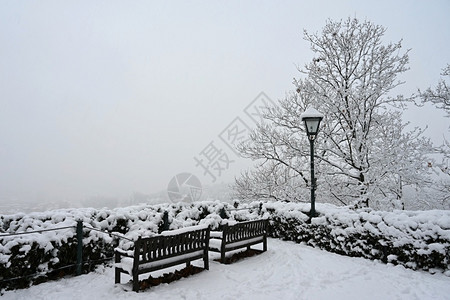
x=286 y=271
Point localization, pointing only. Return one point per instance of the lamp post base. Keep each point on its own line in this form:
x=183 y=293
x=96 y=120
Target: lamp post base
x=313 y=214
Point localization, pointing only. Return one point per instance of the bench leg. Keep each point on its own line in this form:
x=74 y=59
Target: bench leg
x=206 y=261
x=136 y=283
x=188 y=263
x=117 y=276
x=222 y=257
x=265 y=243
x=117 y=271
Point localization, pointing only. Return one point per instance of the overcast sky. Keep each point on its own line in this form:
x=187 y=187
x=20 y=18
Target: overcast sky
x=108 y=98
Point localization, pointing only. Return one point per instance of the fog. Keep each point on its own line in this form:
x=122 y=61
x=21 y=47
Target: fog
x=109 y=100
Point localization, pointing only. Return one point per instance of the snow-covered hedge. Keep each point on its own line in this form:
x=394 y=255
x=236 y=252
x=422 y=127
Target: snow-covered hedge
x=34 y=257
x=414 y=239
x=418 y=240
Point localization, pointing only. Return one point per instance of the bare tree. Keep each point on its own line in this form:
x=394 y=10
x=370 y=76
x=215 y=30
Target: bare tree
x=363 y=155
x=440 y=95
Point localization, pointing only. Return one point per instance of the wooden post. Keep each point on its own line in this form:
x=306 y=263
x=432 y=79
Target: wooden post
x=117 y=270
x=79 y=246
x=205 y=253
x=265 y=225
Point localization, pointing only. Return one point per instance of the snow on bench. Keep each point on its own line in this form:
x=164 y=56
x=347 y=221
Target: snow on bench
x=165 y=250
x=239 y=235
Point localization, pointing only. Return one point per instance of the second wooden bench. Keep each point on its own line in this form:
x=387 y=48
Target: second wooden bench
x=239 y=235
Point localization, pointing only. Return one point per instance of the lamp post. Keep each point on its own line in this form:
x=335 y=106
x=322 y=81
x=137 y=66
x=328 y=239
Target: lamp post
x=311 y=117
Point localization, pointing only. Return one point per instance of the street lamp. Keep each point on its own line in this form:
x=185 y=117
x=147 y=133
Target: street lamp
x=311 y=117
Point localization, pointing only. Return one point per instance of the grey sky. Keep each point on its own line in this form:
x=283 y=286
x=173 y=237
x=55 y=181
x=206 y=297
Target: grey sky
x=107 y=98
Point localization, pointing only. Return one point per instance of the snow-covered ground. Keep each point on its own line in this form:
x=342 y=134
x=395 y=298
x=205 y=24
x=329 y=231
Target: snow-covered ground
x=286 y=271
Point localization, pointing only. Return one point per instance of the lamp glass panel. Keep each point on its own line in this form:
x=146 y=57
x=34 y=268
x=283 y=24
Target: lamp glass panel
x=312 y=126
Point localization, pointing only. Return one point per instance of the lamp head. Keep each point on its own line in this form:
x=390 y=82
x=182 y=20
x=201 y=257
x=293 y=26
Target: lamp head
x=311 y=117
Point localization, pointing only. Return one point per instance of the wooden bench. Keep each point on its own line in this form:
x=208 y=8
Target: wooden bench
x=165 y=250
x=239 y=235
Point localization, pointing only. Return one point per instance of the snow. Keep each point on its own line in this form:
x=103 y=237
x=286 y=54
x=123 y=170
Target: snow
x=183 y=230
x=245 y=242
x=170 y=260
x=311 y=112
x=216 y=234
x=217 y=244
x=286 y=271
x=126 y=263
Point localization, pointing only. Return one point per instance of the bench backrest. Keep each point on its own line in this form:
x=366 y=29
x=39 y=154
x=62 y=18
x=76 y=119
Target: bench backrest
x=166 y=246
x=244 y=230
